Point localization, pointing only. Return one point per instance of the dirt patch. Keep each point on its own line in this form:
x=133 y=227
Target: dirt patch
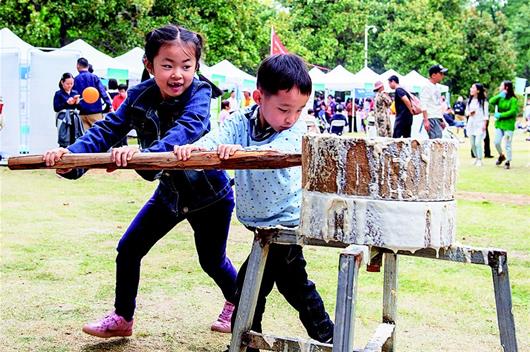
x=515 y=199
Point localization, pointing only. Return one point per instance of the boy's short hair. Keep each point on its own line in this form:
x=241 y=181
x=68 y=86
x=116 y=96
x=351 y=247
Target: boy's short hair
x=339 y=108
x=122 y=86
x=283 y=72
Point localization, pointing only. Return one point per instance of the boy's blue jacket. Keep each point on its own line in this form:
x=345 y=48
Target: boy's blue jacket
x=161 y=124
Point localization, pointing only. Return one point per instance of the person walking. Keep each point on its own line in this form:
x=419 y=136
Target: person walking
x=431 y=102
x=477 y=112
x=404 y=113
x=505 y=113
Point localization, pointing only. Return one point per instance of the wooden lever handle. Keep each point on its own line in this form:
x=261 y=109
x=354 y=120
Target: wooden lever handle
x=163 y=161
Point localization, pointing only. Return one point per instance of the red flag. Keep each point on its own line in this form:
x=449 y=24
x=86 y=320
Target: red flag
x=276 y=44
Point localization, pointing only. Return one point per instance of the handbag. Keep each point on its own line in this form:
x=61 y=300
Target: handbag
x=416 y=104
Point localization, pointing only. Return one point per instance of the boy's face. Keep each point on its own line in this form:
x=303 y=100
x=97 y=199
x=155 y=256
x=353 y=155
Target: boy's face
x=280 y=110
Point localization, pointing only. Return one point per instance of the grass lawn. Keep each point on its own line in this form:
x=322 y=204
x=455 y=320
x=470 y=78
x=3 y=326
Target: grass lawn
x=58 y=240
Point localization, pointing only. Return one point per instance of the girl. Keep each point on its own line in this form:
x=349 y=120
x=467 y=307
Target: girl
x=172 y=108
x=477 y=111
x=505 y=113
x=65 y=97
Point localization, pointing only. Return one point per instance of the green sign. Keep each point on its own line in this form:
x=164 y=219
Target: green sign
x=118 y=74
x=319 y=87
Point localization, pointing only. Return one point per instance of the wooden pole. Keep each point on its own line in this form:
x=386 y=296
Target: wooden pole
x=163 y=161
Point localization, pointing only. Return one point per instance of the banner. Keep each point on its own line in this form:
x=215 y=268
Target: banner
x=276 y=44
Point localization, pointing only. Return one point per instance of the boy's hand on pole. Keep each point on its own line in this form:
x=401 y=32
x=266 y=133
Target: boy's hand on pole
x=225 y=151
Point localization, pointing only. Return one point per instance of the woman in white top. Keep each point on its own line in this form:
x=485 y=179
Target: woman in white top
x=477 y=110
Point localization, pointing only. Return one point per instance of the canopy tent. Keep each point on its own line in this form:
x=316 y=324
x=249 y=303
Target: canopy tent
x=318 y=78
x=101 y=62
x=14 y=69
x=341 y=79
x=133 y=60
x=367 y=78
x=39 y=133
x=414 y=82
x=226 y=76
x=9 y=40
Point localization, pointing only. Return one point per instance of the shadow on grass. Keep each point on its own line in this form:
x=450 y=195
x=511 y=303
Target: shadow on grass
x=113 y=345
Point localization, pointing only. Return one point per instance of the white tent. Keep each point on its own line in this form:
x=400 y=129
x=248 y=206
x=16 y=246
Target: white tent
x=318 y=78
x=227 y=76
x=414 y=82
x=9 y=40
x=341 y=79
x=133 y=60
x=14 y=71
x=101 y=62
x=46 y=71
x=366 y=77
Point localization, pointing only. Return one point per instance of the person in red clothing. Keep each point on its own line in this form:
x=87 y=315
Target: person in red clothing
x=120 y=97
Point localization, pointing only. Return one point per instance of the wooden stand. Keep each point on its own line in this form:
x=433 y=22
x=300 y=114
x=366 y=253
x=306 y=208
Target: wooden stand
x=349 y=265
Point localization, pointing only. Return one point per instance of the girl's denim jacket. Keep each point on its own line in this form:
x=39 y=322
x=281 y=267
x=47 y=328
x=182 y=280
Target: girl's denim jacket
x=161 y=124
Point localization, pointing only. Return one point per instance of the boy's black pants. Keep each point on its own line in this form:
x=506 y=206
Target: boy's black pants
x=286 y=267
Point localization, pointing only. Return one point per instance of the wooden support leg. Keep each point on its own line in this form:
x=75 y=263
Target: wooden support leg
x=349 y=265
x=249 y=294
x=390 y=297
x=503 y=301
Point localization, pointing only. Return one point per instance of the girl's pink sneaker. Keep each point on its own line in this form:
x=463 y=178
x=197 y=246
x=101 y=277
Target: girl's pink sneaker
x=110 y=326
x=224 y=322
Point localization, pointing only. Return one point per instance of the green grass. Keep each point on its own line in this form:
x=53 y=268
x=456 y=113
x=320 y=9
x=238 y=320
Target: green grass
x=58 y=240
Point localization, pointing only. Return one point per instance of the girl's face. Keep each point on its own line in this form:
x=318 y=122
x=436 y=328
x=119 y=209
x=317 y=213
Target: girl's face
x=473 y=90
x=68 y=84
x=501 y=88
x=173 y=68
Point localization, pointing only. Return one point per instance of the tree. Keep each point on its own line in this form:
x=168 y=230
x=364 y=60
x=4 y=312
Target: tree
x=517 y=14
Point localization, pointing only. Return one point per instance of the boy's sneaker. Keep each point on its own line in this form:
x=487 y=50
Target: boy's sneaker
x=500 y=160
x=110 y=326
x=224 y=322
x=507 y=165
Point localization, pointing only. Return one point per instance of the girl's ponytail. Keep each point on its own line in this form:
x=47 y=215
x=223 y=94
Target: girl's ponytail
x=216 y=91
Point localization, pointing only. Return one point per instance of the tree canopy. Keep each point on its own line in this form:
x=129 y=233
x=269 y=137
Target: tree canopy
x=481 y=40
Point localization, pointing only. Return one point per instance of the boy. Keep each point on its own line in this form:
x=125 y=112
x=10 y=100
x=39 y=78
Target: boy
x=272 y=197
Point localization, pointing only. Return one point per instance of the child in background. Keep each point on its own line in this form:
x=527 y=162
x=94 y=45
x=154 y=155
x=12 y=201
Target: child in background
x=338 y=121
x=225 y=111
x=173 y=108
x=120 y=97
x=268 y=198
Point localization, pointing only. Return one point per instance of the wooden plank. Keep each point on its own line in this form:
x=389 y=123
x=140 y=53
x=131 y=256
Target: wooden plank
x=249 y=294
x=381 y=335
x=503 y=302
x=461 y=254
x=390 y=288
x=279 y=343
x=349 y=265
x=163 y=161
